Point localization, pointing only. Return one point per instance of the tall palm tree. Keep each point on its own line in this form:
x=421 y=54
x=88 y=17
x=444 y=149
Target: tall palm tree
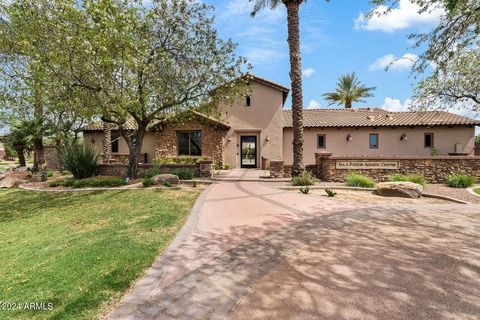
x=349 y=89
x=293 y=7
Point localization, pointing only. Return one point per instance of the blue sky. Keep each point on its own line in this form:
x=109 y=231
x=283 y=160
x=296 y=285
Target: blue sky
x=335 y=40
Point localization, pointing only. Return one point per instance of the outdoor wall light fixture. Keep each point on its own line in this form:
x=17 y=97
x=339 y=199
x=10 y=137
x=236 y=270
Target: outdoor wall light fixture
x=267 y=139
x=403 y=137
x=349 y=137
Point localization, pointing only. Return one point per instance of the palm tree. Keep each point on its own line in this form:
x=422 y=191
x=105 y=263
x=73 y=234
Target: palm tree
x=19 y=139
x=293 y=7
x=349 y=90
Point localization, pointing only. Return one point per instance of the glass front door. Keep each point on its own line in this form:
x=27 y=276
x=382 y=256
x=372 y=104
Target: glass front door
x=248 y=151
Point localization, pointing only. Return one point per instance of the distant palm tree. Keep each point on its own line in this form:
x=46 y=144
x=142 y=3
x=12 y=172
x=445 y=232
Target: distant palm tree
x=349 y=89
x=293 y=7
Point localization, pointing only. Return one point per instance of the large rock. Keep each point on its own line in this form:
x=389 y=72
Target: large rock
x=2 y=175
x=162 y=178
x=11 y=182
x=399 y=189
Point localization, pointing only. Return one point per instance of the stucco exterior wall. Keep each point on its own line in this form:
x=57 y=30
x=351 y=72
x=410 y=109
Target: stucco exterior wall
x=148 y=145
x=262 y=118
x=390 y=145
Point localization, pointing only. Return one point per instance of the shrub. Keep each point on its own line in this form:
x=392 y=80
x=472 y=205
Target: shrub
x=330 y=193
x=50 y=173
x=179 y=160
x=461 y=181
x=80 y=160
x=415 y=178
x=184 y=173
x=217 y=166
x=434 y=152
x=167 y=184
x=152 y=172
x=147 y=182
x=304 y=190
x=88 y=183
x=227 y=166
x=304 y=179
x=194 y=184
x=358 y=180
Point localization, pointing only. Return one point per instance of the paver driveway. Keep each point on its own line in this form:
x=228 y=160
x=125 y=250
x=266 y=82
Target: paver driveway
x=250 y=251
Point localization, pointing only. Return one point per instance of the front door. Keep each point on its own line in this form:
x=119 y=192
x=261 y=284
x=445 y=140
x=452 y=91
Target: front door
x=248 y=151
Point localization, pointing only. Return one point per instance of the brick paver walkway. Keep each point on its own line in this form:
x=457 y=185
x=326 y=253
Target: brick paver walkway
x=238 y=233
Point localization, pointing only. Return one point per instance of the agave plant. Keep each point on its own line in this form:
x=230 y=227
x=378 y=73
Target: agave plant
x=80 y=160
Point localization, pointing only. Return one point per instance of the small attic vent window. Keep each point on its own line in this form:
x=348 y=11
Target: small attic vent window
x=248 y=101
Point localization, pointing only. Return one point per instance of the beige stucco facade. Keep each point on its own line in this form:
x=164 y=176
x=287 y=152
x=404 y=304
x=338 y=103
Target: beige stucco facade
x=390 y=145
x=263 y=119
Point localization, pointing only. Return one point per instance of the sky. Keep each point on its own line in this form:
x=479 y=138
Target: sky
x=335 y=39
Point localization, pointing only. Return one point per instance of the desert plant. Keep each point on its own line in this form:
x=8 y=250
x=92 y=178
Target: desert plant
x=415 y=178
x=217 y=166
x=227 y=166
x=194 y=184
x=88 y=183
x=358 y=180
x=184 y=173
x=152 y=172
x=330 y=193
x=179 y=160
x=434 y=152
x=304 y=190
x=461 y=181
x=304 y=179
x=50 y=173
x=80 y=160
x=147 y=182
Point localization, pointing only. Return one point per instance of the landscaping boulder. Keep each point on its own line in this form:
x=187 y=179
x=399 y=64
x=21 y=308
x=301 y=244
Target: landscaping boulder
x=2 y=176
x=11 y=182
x=399 y=189
x=162 y=178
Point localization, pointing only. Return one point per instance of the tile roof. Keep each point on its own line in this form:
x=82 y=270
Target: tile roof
x=131 y=124
x=375 y=117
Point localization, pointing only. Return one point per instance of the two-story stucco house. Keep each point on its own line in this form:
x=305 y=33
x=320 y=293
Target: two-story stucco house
x=258 y=127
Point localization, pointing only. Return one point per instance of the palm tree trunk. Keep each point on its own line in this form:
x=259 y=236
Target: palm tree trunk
x=37 y=141
x=348 y=105
x=107 y=143
x=293 y=8
x=21 y=155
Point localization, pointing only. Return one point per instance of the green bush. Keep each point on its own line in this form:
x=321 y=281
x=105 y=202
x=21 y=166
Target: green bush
x=330 y=193
x=80 y=160
x=358 y=180
x=167 y=184
x=227 y=166
x=179 y=160
x=415 y=178
x=147 y=182
x=152 y=172
x=434 y=152
x=50 y=173
x=461 y=181
x=217 y=166
x=304 y=190
x=184 y=173
x=304 y=179
x=88 y=183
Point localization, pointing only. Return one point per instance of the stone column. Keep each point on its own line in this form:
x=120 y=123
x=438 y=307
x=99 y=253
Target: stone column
x=206 y=168
x=277 y=168
x=107 y=143
x=321 y=159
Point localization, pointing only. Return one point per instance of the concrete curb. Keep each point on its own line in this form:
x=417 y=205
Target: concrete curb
x=470 y=190
x=250 y=180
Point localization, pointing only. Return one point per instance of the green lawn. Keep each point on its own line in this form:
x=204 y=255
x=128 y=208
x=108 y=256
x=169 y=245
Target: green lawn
x=79 y=251
x=3 y=167
x=476 y=190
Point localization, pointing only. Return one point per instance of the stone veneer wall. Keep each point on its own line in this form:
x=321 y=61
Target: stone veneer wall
x=311 y=168
x=212 y=140
x=202 y=169
x=434 y=169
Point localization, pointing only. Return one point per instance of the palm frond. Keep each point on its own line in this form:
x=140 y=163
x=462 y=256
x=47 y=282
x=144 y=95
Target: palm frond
x=261 y=4
x=349 y=89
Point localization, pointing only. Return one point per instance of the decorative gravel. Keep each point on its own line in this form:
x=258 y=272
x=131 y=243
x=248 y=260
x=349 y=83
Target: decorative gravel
x=458 y=193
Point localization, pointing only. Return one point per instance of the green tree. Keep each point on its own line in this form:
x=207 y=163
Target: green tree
x=349 y=89
x=138 y=64
x=21 y=137
x=293 y=8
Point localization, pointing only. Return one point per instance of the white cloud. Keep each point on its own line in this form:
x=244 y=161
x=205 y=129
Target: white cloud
x=263 y=55
x=308 y=72
x=391 y=104
x=405 y=16
x=313 y=104
x=402 y=63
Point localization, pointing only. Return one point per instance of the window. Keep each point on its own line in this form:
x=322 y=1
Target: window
x=189 y=143
x=115 y=146
x=248 y=101
x=321 y=141
x=373 y=140
x=428 y=140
